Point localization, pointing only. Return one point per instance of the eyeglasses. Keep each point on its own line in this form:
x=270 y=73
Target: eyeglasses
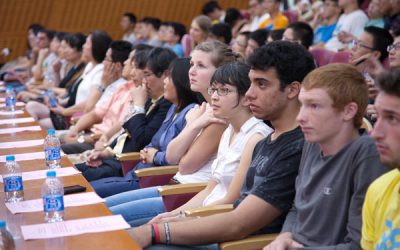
x=395 y=46
x=356 y=44
x=220 y=91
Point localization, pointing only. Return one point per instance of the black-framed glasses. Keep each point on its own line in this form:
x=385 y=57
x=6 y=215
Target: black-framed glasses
x=395 y=46
x=357 y=44
x=220 y=91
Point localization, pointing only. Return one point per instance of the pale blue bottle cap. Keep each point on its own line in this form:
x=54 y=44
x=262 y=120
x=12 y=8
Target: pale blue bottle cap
x=10 y=158
x=3 y=224
x=51 y=131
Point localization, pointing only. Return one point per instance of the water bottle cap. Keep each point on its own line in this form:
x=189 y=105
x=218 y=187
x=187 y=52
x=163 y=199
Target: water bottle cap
x=51 y=174
x=10 y=158
x=3 y=223
x=51 y=132
x=9 y=87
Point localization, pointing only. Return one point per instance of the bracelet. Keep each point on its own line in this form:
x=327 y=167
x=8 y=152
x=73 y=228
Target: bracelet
x=167 y=234
x=153 y=235
x=156 y=232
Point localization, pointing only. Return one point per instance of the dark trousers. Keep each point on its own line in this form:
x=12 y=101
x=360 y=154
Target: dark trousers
x=109 y=168
x=76 y=148
x=114 y=185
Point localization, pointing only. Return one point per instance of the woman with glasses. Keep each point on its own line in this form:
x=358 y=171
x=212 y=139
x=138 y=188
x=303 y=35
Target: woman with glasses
x=228 y=103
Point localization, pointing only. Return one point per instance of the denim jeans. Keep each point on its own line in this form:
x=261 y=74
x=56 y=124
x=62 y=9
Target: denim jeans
x=137 y=206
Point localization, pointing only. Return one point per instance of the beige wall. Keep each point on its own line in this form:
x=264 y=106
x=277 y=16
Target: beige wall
x=88 y=15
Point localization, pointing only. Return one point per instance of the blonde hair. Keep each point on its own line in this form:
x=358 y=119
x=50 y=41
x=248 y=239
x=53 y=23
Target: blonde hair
x=204 y=23
x=220 y=53
x=344 y=85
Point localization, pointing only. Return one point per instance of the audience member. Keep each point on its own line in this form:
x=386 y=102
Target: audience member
x=149 y=31
x=257 y=39
x=239 y=43
x=338 y=163
x=221 y=32
x=235 y=20
x=128 y=22
x=381 y=214
x=174 y=33
x=214 y=11
x=324 y=22
x=276 y=19
x=258 y=14
x=299 y=32
x=375 y=14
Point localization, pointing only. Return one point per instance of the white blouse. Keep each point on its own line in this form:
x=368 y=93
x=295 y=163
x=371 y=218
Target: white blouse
x=91 y=77
x=224 y=167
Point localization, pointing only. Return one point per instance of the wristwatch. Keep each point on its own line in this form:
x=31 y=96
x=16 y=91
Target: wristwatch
x=81 y=139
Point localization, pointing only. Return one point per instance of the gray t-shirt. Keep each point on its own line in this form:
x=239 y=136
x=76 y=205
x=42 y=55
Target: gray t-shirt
x=330 y=193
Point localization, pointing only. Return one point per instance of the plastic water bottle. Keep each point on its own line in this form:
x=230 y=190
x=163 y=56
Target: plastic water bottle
x=52 y=150
x=6 y=239
x=10 y=99
x=13 y=186
x=53 y=198
x=52 y=98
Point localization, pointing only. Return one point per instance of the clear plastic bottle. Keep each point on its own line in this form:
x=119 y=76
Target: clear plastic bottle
x=52 y=150
x=6 y=239
x=53 y=198
x=10 y=99
x=52 y=98
x=13 y=186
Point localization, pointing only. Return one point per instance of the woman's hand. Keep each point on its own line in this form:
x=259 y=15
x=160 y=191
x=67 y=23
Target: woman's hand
x=147 y=155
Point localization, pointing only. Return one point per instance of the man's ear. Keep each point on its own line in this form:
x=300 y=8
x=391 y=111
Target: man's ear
x=376 y=54
x=293 y=90
x=350 y=111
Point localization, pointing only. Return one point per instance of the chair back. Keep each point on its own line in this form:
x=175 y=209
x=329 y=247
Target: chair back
x=322 y=56
x=341 y=57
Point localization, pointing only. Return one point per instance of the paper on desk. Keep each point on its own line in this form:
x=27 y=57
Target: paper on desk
x=74 y=227
x=17 y=104
x=26 y=156
x=19 y=129
x=16 y=112
x=72 y=200
x=41 y=174
x=17 y=120
x=21 y=144
x=2 y=99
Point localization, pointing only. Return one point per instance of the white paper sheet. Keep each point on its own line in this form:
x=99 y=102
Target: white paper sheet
x=72 y=200
x=26 y=156
x=2 y=99
x=74 y=227
x=16 y=112
x=18 y=104
x=17 y=120
x=19 y=129
x=41 y=174
x=21 y=144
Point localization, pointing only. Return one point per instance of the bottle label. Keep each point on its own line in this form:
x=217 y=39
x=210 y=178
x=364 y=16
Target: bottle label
x=13 y=183
x=10 y=101
x=52 y=154
x=53 y=203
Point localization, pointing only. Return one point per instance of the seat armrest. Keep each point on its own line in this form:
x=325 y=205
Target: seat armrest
x=207 y=211
x=251 y=242
x=132 y=156
x=160 y=170
x=181 y=188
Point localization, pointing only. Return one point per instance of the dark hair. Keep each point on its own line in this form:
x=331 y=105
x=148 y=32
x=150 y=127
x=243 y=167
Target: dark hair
x=302 y=32
x=389 y=82
x=381 y=40
x=231 y=16
x=131 y=16
x=291 y=61
x=75 y=40
x=396 y=33
x=179 y=29
x=179 y=74
x=159 y=60
x=276 y=35
x=60 y=35
x=141 y=55
x=360 y=2
x=35 y=27
x=100 y=44
x=235 y=74
x=49 y=33
x=259 y=36
x=209 y=7
x=153 y=21
x=120 y=51
x=222 y=30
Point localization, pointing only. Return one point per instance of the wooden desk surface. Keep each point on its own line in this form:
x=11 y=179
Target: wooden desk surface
x=32 y=190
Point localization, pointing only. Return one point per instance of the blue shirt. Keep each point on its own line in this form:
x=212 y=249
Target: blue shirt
x=169 y=130
x=177 y=48
x=323 y=33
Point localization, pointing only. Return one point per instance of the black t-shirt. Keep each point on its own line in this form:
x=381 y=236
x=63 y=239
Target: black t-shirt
x=272 y=174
